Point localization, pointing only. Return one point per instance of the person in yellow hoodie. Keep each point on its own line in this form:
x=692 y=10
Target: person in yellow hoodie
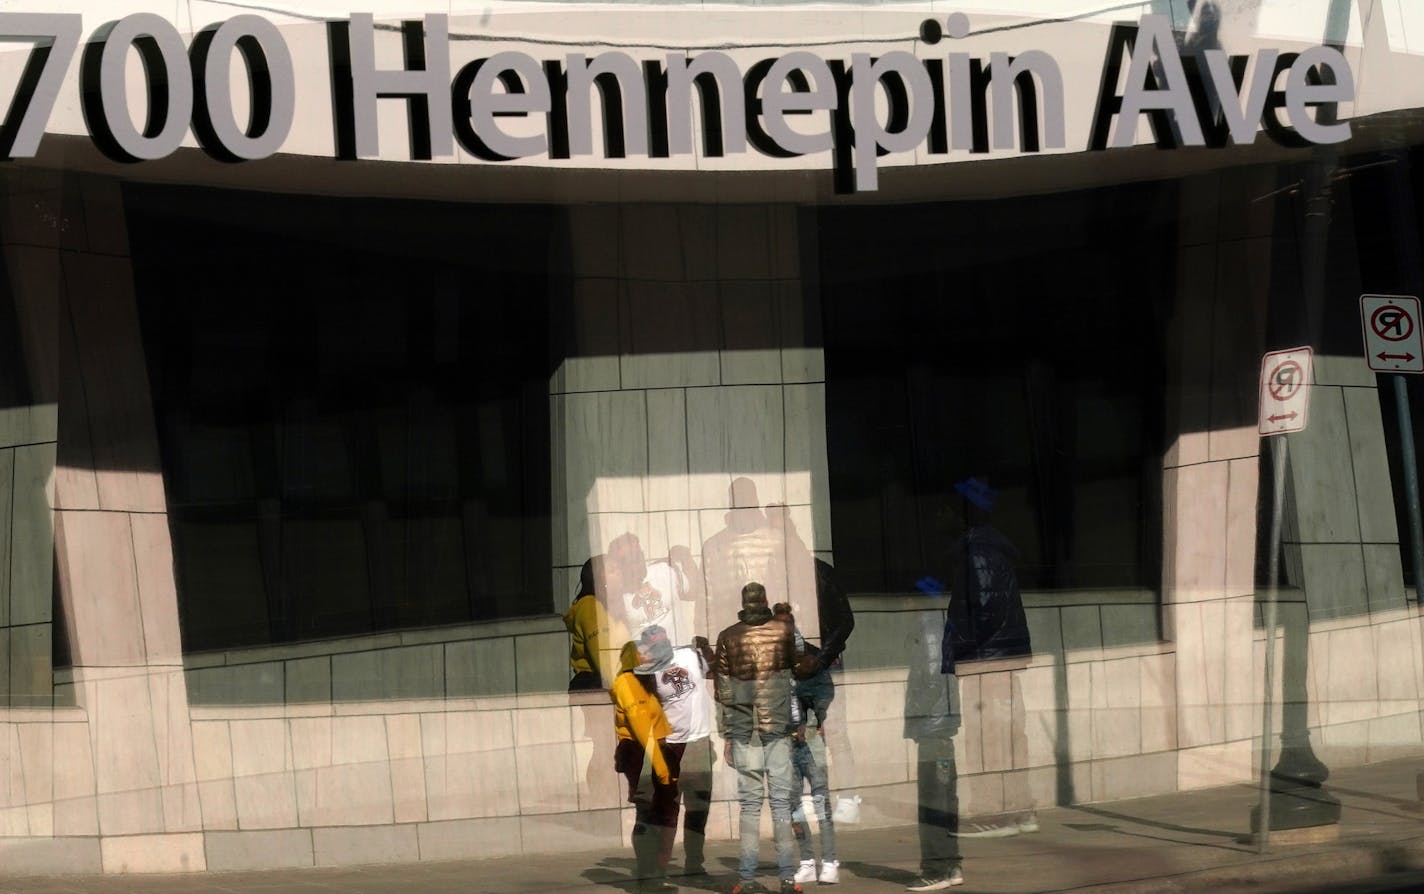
x=650 y=768
x=587 y=623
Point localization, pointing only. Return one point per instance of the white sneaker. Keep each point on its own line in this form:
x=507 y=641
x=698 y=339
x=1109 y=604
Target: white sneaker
x=830 y=872
x=954 y=879
x=807 y=872
x=847 y=809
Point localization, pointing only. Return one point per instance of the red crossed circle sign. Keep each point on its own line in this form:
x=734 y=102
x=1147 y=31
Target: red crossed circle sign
x=1391 y=323
x=1285 y=380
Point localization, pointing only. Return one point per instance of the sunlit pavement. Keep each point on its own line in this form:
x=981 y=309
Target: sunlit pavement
x=1181 y=842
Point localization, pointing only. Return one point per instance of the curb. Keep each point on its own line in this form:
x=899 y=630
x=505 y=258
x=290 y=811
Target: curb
x=1356 y=861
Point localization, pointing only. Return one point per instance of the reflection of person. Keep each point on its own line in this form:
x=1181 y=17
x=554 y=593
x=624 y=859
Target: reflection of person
x=813 y=693
x=651 y=769
x=680 y=677
x=931 y=720
x=753 y=683
x=661 y=592
x=587 y=624
x=989 y=612
x=750 y=548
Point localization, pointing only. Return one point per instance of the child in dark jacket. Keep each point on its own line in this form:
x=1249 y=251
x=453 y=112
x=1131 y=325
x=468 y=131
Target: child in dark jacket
x=814 y=691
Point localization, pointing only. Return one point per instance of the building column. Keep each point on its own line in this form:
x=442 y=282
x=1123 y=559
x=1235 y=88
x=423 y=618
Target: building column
x=113 y=551
x=1211 y=469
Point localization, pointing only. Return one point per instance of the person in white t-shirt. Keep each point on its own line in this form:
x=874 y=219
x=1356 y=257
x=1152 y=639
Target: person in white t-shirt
x=680 y=678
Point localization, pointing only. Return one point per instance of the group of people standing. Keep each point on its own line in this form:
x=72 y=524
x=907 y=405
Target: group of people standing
x=771 y=690
x=768 y=688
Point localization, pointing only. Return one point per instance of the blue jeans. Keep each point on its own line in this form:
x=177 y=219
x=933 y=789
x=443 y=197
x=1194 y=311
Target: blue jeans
x=764 y=770
x=809 y=758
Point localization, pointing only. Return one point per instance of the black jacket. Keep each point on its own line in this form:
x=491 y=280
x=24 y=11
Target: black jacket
x=986 y=609
x=833 y=611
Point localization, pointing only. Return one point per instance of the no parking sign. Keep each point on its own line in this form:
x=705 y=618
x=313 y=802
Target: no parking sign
x=1393 y=340
x=1285 y=391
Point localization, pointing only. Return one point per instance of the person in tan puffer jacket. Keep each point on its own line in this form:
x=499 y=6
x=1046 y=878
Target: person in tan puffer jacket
x=754 y=689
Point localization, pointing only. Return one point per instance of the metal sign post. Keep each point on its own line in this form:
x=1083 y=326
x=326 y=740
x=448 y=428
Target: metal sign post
x=1394 y=343
x=1284 y=407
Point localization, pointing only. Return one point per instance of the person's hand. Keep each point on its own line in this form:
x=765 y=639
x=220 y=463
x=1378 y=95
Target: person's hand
x=727 y=753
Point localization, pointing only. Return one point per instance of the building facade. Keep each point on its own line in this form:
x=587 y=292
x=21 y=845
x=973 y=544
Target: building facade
x=306 y=452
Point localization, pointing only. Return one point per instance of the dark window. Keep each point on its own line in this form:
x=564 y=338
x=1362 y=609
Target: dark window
x=1014 y=341
x=352 y=407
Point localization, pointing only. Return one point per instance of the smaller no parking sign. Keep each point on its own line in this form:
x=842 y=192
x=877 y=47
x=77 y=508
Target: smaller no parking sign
x=1285 y=391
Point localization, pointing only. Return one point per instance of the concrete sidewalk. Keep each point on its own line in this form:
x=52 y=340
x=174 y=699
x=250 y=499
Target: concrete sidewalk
x=1172 y=843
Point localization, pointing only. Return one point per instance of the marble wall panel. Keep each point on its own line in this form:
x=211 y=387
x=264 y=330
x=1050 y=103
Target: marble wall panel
x=1333 y=577
x=157 y=591
x=1241 y=689
x=1393 y=737
x=263 y=850
x=470 y=839
x=403 y=673
x=153 y=853
x=100 y=591
x=594 y=242
x=996 y=720
x=31 y=673
x=590 y=360
x=1373 y=491
x=75 y=806
x=125 y=755
x=1194 y=532
x=173 y=740
x=736 y=432
x=30 y=533
x=480 y=667
x=744 y=242
x=538 y=668
x=751 y=333
x=802 y=357
x=1351 y=685
x=262 y=770
x=807 y=465
x=1134 y=777
x=1207 y=766
x=671 y=335
x=470 y=765
x=212 y=763
x=307 y=680
x=1384 y=576
x=545 y=757
x=407 y=768
x=603 y=442
x=596 y=830
x=109 y=356
x=651 y=242
x=36 y=763
x=354 y=786
x=357 y=845
x=1241 y=498
x=666 y=483
x=1321 y=470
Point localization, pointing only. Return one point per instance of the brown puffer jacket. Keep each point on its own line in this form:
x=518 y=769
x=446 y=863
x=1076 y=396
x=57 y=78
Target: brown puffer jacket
x=754 y=685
